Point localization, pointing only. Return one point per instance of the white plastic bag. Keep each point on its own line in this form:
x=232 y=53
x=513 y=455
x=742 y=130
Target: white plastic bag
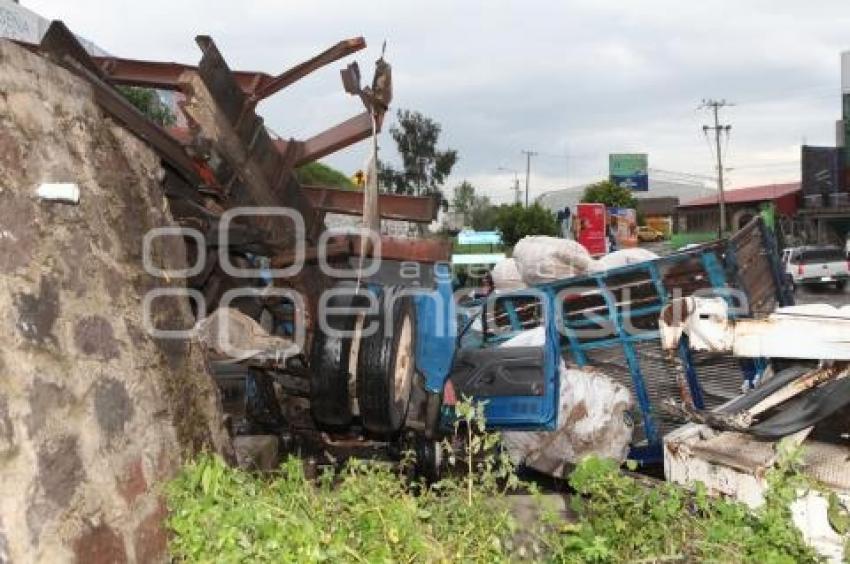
x=506 y=275
x=592 y=419
x=543 y=259
x=623 y=257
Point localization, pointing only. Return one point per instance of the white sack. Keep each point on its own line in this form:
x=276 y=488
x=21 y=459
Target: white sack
x=506 y=275
x=623 y=257
x=229 y=333
x=592 y=419
x=543 y=259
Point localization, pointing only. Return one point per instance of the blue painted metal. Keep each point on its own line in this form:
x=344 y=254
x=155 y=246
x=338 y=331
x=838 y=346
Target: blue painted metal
x=687 y=359
x=719 y=265
x=436 y=331
x=513 y=316
x=715 y=270
x=531 y=412
x=784 y=292
x=638 y=382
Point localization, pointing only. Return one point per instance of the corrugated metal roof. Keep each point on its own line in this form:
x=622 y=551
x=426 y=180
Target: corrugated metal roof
x=746 y=195
x=658 y=188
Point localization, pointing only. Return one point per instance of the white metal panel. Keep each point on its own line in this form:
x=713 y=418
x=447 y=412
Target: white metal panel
x=734 y=465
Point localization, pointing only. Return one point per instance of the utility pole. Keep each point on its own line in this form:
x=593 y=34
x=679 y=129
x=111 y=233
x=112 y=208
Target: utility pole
x=528 y=154
x=517 y=191
x=718 y=129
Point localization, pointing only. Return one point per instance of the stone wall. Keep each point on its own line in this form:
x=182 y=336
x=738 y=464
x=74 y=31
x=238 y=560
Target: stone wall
x=95 y=414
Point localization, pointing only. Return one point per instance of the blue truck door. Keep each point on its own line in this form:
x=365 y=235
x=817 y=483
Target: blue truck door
x=519 y=384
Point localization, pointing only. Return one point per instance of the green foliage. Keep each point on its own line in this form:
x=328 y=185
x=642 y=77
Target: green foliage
x=678 y=240
x=622 y=519
x=368 y=512
x=323 y=175
x=477 y=211
x=148 y=102
x=424 y=167
x=608 y=193
x=365 y=513
x=464 y=197
x=515 y=222
x=483 y=217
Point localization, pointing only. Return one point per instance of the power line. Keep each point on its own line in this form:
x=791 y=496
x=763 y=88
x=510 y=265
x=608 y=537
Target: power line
x=785 y=164
x=680 y=175
x=718 y=129
x=528 y=154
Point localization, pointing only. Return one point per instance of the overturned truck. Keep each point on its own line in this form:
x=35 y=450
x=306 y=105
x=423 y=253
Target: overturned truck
x=115 y=241
x=351 y=342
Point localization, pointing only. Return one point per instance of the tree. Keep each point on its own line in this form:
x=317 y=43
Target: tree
x=477 y=210
x=608 y=193
x=147 y=101
x=482 y=217
x=424 y=167
x=515 y=222
x=464 y=197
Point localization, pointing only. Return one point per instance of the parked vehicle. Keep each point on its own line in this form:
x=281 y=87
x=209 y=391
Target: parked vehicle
x=818 y=265
x=647 y=234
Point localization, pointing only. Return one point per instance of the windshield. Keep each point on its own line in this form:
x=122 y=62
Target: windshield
x=818 y=256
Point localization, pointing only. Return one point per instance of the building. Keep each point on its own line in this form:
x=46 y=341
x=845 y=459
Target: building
x=742 y=204
x=22 y=24
x=658 y=204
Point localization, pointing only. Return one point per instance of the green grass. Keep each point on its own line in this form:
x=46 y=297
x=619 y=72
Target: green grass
x=323 y=175
x=457 y=248
x=678 y=240
x=371 y=512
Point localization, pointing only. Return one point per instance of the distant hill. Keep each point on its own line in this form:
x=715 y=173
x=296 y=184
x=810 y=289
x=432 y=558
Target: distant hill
x=323 y=175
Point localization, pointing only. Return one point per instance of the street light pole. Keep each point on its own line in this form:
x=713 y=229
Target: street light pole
x=516 y=182
x=528 y=154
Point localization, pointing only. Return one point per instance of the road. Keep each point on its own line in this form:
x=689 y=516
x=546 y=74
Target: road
x=825 y=295
x=803 y=295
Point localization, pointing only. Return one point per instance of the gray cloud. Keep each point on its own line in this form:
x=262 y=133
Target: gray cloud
x=582 y=77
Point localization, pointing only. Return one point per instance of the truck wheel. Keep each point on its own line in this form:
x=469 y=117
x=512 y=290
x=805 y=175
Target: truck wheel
x=330 y=403
x=386 y=365
x=840 y=285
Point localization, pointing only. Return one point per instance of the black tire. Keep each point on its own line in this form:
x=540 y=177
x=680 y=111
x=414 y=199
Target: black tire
x=840 y=285
x=429 y=459
x=330 y=402
x=386 y=365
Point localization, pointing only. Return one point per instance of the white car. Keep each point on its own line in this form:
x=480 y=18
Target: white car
x=817 y=265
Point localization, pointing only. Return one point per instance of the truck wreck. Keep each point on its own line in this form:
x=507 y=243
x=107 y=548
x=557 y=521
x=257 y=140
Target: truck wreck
x=730 y=448
x=112 y=232
x=172 y=290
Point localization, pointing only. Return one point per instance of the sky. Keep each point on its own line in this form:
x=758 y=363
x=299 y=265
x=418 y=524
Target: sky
x=572 y=80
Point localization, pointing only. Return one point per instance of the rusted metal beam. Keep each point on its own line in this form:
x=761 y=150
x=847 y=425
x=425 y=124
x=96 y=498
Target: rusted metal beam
x=271 y=85
x=258 y=85
x=392 y=248
x=221 y=110
x=165 y=75
x=416 y=250
x=335 y=248
x=333 y=139
x=62 y=46
x=254 y=84
x=418 y=209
